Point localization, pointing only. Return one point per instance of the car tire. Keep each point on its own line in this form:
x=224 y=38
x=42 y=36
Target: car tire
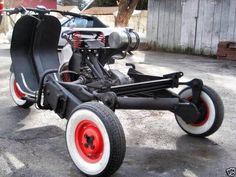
x=213 y=108
x=95 y=140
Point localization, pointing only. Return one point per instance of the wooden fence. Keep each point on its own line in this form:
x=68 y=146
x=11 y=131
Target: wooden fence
x=195 y=25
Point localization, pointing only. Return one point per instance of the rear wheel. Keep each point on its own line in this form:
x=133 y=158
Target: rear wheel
x=211 y=109
x=95 y=140
x=17 y=94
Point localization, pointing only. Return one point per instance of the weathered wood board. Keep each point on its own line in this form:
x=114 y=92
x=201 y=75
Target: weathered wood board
x=194 y=24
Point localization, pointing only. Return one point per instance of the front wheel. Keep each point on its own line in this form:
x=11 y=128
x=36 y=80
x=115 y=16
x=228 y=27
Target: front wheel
x=95 y=140
x=211 y=109
x=17 y=94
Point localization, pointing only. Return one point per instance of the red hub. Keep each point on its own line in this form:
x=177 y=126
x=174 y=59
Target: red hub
x=205 y=108
x=89 y=141
x=18 y=93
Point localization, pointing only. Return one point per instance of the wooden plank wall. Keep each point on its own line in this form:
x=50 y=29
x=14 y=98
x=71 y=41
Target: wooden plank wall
x=172 y=24
x=164 y=22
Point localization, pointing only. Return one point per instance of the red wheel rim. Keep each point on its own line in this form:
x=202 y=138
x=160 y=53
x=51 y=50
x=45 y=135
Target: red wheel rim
x=206 y=116
x=89 y=141
x=18 y=93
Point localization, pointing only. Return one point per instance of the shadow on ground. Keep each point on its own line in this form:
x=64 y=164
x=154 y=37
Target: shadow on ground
x=192 y=157
x=41 y=151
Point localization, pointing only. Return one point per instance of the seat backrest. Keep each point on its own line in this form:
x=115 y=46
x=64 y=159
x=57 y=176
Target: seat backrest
x=22 y=53
x=46 y=44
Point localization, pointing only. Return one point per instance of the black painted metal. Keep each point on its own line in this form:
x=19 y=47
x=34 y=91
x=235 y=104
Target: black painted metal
x=187 y=111
x=78 y=91
x=196 y=85
x=45 y=44
x=146 y=103
x=59 y=99
x=148 y=86
x=41 y=86
x=21 y=53
x=140 y=77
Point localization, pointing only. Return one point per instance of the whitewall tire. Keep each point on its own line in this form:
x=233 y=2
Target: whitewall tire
x=213 y=113
x=17 y=94
x=95 y=139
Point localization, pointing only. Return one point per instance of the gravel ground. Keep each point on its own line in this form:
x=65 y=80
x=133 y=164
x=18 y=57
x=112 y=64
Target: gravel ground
x=32 y=142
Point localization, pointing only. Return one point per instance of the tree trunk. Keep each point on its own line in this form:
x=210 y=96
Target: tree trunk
x=4 y=27
x=125 y=11
x=6 y=23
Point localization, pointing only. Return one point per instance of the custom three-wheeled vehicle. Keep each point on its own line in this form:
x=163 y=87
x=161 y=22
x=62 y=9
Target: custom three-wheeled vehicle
x=87 y=94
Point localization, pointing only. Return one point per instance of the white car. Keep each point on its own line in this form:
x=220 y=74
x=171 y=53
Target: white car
x=85 y=23
x=81 y=23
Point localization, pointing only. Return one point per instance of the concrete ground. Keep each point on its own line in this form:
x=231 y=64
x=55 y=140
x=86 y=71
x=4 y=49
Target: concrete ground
x=32 y=142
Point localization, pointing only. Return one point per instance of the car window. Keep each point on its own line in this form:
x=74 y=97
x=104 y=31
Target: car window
x=67 y=24
x=79 y=23
x=90 y=24
x=82 y=23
